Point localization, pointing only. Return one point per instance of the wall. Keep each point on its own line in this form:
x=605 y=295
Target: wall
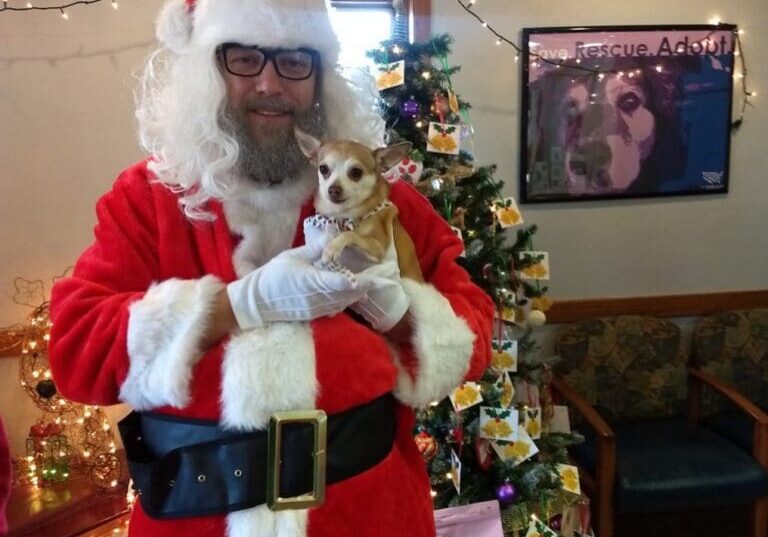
x=67 y=129
x=629 y=247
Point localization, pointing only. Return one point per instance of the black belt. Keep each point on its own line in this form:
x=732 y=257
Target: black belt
x=183 y=467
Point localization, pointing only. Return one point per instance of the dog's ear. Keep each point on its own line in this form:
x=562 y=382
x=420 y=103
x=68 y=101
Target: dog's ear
x=386 y=157
x=308 y=144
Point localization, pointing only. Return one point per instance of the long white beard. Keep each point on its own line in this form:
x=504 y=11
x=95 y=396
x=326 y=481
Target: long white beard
x=272 y=156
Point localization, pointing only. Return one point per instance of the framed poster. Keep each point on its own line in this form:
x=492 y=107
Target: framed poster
x=625 y=111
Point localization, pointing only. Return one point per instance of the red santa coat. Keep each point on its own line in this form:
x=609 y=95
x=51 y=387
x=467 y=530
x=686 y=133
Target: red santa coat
x=126 y=327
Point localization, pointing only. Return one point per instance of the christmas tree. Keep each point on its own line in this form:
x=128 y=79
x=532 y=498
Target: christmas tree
x=496 y=438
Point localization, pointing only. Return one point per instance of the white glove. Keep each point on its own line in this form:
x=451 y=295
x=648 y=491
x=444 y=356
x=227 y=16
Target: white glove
x=385 y=303
x=290 y=288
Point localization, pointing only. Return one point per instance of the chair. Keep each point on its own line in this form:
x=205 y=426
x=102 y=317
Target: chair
x=645 y=450
x=733 y=346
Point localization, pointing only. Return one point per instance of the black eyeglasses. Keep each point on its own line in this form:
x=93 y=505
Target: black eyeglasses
x=292 y=64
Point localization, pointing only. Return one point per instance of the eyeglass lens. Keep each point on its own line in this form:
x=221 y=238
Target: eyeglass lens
x=245 y=61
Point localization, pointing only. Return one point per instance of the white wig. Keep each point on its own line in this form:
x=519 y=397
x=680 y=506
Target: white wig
x=182 y=94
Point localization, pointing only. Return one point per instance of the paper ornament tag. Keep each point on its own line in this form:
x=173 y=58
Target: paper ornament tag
x=499 y=423
x=538 y=270
x=460 y=235
x=504 y=355
x=526 y=393
x=537 y=528
x=541 y=303
x=443 y=138
x=456 y=471
x=560 y=422
x=506 y=313
x=453 y=102
x=569 y=475
x=532 y=421
x=506 y=212
x=518 y=451
x=407 y=170
x=465 y=396
x=391 y=75
x=507 y=388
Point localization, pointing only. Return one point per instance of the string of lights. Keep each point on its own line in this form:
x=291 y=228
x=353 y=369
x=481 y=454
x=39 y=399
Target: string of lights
x=60 y=8
x=740 y=77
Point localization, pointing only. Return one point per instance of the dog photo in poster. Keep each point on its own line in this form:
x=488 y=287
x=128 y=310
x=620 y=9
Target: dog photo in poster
x=626 y=112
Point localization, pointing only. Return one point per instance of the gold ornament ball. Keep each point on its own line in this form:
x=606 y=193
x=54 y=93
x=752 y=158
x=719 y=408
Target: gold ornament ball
x=537 y=318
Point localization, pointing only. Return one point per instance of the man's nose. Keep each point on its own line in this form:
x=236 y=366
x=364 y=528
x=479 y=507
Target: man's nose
x=269 y=82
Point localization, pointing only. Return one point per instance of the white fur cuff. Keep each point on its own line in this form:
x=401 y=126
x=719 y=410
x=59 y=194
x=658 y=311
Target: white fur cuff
x=164 y=332
x=442 y=342
x=266 y=370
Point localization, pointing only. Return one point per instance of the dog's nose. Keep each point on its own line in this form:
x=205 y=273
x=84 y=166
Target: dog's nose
x=335 y=193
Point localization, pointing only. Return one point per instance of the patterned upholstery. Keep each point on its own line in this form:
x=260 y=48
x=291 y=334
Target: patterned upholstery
x=627 y=367
x=733 y=346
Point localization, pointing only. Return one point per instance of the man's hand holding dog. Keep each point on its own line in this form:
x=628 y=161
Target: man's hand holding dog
x=290 y=288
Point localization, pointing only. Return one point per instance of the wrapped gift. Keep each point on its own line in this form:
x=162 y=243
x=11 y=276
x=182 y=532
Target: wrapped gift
x=474 y=520
x=47 y=454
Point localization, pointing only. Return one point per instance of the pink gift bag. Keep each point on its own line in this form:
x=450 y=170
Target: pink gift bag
x=474 y=520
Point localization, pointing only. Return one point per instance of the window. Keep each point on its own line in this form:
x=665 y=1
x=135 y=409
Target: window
x=361 y=26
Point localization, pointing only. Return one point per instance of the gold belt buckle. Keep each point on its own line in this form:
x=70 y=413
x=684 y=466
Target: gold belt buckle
x=319 y=422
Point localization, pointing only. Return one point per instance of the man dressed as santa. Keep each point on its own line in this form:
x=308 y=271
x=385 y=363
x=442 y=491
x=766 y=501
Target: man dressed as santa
x=199 y=305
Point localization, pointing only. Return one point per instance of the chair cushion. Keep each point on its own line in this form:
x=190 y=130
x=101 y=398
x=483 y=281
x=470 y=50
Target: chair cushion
x=733 y=346
x=668 y=465
x=628 y=367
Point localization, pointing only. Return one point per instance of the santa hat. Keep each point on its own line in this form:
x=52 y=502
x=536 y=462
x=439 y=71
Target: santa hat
x=192 y=25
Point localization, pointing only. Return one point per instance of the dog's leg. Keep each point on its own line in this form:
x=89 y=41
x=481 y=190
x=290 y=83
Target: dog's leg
x=370 y=247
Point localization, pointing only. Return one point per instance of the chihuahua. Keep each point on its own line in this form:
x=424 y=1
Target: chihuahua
x=353 y=190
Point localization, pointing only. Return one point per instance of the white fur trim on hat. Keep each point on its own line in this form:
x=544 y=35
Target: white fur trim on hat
x=164 y=331
x=442 y=342
x=267 y=23
x=266 y=370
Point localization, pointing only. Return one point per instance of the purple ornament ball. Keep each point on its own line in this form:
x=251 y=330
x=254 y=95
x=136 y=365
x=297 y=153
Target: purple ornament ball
x=556 y=522
x=506 y=494
x=410 y=108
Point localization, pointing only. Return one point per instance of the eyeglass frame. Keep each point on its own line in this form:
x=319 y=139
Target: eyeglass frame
x=269 y=55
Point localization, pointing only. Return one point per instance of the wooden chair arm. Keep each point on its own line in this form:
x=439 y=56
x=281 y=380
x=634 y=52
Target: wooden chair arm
x=760 y=418
x=605 y=464
x=577 y=401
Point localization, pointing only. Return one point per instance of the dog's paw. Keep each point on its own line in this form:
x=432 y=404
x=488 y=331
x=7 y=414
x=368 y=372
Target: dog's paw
x=331 y=255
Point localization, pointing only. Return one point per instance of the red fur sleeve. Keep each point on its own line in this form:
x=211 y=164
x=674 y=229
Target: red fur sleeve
x=453 y=317
x=89 y=310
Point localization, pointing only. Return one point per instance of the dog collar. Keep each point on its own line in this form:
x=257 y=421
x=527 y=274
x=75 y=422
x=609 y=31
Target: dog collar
x=350 y=224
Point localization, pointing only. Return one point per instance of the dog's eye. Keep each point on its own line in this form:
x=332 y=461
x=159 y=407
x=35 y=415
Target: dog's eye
x=324 y=170
x=629 y=102
x=355 y=173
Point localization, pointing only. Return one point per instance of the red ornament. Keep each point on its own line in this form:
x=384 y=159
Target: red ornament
x=426 y=444
x=458 y=434
x=53 y=429
x=556 y=522
x=37 y=430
